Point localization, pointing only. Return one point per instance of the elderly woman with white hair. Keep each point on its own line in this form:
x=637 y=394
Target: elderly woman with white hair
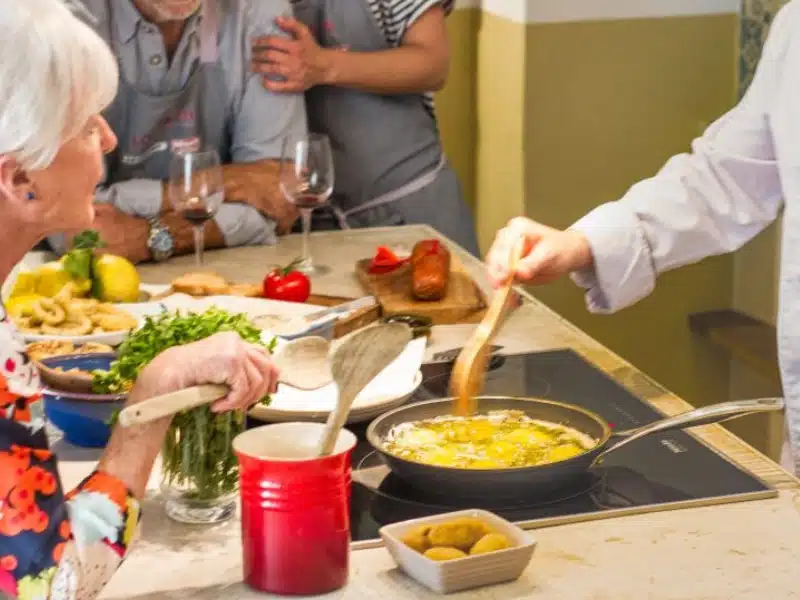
x=56 y=76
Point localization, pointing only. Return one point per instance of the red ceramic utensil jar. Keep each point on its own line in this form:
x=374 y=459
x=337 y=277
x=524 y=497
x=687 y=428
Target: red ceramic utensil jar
x=295 y=509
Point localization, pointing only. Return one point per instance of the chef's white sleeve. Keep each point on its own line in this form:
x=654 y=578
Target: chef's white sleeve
x=707 y=202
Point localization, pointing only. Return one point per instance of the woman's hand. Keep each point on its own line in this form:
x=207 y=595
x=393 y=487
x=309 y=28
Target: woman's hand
x=300 y=62
x=223 y=358
x=549 y=253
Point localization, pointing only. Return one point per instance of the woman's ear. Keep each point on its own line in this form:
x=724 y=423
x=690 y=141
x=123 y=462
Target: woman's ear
x=14 y=182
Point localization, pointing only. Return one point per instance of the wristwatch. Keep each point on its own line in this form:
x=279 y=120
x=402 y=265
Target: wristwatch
x=160 y=241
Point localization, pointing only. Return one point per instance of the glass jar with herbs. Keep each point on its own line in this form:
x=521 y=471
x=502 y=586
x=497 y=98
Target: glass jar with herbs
x=199 y=468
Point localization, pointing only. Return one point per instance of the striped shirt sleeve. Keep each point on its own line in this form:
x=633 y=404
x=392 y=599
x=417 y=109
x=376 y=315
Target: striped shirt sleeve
x=395 y=17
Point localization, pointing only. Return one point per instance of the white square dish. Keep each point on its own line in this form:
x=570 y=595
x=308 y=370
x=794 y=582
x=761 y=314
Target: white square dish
x=461 y=574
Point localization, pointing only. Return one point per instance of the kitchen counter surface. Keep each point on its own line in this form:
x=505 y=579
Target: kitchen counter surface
x=746 y=550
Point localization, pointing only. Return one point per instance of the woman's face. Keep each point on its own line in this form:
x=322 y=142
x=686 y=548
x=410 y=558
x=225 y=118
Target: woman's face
x=64 y=191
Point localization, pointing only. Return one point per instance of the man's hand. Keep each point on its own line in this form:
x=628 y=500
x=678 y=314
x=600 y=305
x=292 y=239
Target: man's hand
x=300 y=61
x=123 y=234
x=256 y=184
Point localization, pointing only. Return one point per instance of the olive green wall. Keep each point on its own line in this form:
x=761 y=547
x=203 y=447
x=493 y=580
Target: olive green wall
x=456 y=108
x=551 y=116
x=622 y=97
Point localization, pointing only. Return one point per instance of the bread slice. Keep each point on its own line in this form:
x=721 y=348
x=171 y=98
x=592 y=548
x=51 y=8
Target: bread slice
x=248 y=290
x=200 y=284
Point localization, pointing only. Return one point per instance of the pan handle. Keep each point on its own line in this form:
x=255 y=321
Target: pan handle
x=708 y=415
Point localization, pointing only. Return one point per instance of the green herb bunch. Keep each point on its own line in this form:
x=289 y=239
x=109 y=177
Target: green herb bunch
x=197 y=451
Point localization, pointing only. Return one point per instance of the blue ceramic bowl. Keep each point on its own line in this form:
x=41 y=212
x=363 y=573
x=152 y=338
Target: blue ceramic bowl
x=84 y=423
x=83 y=362
x=83 y=418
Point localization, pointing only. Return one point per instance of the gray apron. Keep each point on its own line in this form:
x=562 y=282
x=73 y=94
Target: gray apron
x=150 y=129
x=388 y=159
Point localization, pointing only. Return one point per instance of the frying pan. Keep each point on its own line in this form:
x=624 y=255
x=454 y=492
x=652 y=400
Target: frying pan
x=521 y=481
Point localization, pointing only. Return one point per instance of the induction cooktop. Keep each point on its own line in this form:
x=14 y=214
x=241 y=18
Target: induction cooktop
x=665 y=471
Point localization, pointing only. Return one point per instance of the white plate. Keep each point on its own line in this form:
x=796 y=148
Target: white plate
x=252 y=307
x=271 y=415
x=391 y=388
x=110 y=339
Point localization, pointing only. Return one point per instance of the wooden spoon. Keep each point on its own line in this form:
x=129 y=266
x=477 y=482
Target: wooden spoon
x=303 y=364
x=77 y=382
x=469 y=370
x=356 y=361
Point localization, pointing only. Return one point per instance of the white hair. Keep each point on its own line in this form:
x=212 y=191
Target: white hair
x=55 y=73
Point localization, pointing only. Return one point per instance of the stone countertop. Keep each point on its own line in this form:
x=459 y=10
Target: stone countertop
x=745 y=550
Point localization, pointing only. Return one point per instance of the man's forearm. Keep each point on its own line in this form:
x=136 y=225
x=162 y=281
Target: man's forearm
x=404 y=70
x=257 y=184
x=183 y=234
x=127 y=236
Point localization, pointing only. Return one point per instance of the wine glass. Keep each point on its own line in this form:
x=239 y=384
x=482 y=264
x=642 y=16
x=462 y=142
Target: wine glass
x=196 y=190
x=307 y=182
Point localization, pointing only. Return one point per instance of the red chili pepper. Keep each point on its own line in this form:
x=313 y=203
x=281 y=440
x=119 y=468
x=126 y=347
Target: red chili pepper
x=385 y=261
x=287 y=284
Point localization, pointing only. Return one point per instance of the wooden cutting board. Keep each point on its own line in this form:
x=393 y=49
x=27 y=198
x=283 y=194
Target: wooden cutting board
x=464 y=302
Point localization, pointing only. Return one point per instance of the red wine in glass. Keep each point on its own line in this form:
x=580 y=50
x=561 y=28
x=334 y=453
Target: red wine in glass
x=197 y=215
x=310 y=201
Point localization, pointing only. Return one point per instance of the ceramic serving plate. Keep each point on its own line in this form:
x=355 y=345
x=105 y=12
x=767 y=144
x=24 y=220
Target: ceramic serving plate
x=391 y=388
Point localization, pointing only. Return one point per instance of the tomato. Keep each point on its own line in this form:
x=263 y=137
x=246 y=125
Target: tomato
x=286 y=284
x=385 y=261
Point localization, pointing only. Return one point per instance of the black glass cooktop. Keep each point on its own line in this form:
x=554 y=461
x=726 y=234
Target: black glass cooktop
x=664 y=471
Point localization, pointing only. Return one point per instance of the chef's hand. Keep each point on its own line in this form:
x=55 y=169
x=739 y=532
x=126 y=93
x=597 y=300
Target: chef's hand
x=300 y=61
x=223 y=358
x=256 y=184
x=549 y=253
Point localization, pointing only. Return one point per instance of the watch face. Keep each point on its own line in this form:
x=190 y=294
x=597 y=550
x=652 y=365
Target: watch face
x=161 y=243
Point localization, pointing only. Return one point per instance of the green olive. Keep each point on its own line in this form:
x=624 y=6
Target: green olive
x=441 y=553
x=417 y=538
x=459 y=533
x=491 y=542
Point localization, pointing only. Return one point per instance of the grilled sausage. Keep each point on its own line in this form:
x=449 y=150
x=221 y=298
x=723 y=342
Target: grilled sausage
x=430 y=270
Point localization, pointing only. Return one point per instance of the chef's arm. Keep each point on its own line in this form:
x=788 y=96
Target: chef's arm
x=707 y=202
x=419 y=64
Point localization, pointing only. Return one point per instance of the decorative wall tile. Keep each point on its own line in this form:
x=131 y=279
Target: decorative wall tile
x=757 y=16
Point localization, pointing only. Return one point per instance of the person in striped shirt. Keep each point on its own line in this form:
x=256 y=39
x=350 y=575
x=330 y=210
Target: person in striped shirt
x=369 y=69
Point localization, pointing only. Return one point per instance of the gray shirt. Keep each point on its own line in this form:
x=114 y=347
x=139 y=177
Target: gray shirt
x=261 y=118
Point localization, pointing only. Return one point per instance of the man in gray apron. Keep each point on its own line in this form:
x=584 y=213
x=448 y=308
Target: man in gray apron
x=197 y=92
x=388 y=157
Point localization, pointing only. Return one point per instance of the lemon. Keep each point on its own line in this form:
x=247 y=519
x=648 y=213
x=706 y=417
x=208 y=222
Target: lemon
x=21 y=305
x=24 y=284
x=50 y=278
x=115 y=279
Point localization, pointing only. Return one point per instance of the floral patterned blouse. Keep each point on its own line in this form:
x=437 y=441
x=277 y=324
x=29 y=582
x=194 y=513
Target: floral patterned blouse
x=52 y=545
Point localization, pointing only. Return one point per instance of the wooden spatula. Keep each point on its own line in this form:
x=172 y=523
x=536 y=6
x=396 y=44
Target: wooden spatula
x=356 y=361
x=469 y=370
x=303 y=363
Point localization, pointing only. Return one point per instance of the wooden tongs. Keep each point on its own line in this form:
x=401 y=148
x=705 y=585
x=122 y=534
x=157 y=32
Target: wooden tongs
x=469 y=371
